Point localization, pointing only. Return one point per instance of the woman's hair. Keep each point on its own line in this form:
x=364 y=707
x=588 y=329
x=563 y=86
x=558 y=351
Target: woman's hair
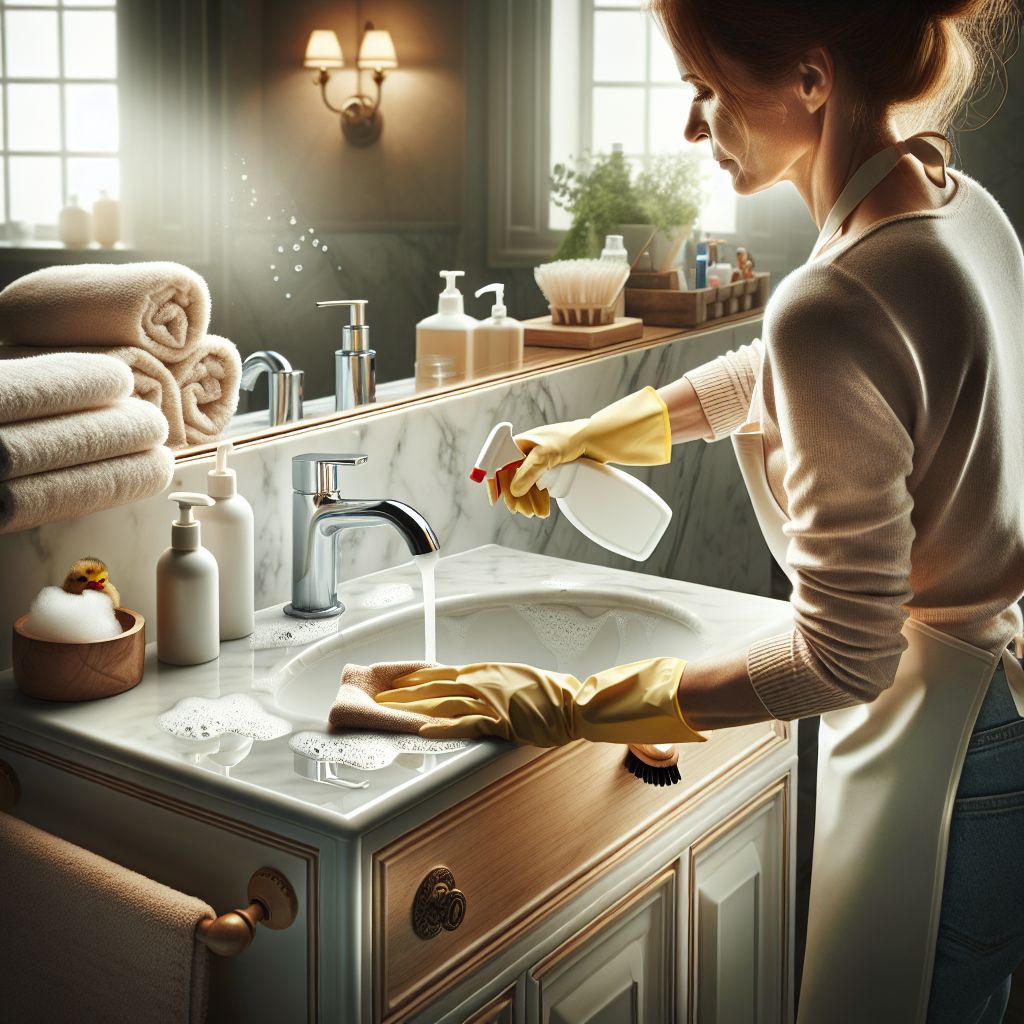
x=925 y=61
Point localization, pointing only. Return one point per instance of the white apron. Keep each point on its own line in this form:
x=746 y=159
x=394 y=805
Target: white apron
x=887 y=775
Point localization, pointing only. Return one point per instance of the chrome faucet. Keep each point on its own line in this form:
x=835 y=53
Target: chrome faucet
x=320 y=513
x=284 y=384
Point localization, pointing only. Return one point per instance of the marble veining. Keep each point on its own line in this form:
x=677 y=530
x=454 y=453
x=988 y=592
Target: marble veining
x=263 y=769
x=421 y=454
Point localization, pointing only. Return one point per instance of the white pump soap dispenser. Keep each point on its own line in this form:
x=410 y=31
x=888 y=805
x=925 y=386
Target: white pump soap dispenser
x=449 y=331
x=228 y=533
x=498 y=340
x=187 y=616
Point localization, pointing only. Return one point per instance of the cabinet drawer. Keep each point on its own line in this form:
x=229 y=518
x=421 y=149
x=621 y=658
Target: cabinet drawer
x=524 y=846
x=194 y=849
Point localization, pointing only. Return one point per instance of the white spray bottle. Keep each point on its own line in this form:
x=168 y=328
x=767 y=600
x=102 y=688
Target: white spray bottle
x=605 y=504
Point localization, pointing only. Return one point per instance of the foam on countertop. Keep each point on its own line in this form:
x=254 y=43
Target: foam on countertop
x=367 y=750
x=200 y=718
x=292 y=633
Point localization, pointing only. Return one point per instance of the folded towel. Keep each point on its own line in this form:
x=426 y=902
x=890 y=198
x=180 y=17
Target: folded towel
x=161 y=307
x=55 y=442
x=84 y=939
x=355 y=708
x=79 y=490
x=48 y=385
x=208 y=378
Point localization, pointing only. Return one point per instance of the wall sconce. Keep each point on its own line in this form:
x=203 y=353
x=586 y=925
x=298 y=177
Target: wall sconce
x=361 y=119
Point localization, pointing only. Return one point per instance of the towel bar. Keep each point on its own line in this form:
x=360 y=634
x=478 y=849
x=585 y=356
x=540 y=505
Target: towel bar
x=272 y=899
x=272 y=902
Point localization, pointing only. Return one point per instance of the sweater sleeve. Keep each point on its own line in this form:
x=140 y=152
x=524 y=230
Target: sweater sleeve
x=724 y=386
x=844 y=404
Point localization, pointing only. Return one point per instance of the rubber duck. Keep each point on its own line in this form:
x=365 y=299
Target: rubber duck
x=91 y=574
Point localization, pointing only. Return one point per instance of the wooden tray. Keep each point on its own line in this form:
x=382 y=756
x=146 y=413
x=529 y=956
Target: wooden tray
x=541 y=331
x=660 y=279
x=667 y=307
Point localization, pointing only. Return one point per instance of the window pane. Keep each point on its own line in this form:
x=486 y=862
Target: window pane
x=33 y=117
x=91 y=112
x=37 y=3
x=31 y=42
x=663 y=61
x=89 y=3
x=90 y=44
x=618 y=116
x=620 y=47
x=668 y=117
x=35 y=188
x=87 y=176
x=617 y=3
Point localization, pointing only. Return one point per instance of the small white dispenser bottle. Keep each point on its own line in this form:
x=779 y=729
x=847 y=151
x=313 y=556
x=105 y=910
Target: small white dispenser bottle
x=228 y=536
x=187 y=616
x=449 y=332
x=615 y=252
x=498 y=340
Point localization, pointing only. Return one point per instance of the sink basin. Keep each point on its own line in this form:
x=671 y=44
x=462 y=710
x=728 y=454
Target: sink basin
x=564 y=628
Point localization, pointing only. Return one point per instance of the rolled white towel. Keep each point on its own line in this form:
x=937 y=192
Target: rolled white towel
x=49 y=385
x=162 y=307
x=80 y=490
x=208 y=380
x=56 y=442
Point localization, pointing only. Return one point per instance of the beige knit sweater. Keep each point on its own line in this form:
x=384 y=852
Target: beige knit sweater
x=894 y=440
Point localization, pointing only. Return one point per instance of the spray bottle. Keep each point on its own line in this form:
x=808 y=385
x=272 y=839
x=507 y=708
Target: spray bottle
x=605 y=504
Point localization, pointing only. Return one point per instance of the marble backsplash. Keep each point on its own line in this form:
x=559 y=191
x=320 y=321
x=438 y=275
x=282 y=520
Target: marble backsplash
x=422 y=454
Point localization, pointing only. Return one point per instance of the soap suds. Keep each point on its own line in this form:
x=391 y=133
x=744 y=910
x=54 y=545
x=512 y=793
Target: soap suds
x=199 y=718
x=293 y=633
x=72 y=618
x=366 y=750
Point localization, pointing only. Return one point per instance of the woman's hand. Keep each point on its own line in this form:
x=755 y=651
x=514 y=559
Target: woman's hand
x=634 y=431
x=634 y=703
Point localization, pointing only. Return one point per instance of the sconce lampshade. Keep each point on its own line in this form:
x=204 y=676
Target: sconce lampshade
x=377 y=50
x=323 y=50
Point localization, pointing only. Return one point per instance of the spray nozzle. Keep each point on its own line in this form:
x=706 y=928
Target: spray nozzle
x=451 y=287
x=498 y=309
x=185 y=500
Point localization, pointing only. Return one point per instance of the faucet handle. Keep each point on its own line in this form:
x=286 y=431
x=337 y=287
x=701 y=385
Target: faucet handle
x=320 y=472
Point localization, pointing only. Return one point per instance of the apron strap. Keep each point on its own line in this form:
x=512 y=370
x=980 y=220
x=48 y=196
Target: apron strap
x=1015 y=673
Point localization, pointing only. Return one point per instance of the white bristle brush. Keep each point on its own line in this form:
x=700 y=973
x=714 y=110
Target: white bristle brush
x=582 y=293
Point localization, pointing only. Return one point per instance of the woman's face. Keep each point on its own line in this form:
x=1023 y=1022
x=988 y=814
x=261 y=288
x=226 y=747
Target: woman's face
x=779 y=131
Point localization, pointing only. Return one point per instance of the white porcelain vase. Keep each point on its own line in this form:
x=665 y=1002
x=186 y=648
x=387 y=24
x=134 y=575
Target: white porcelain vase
x=658 y=250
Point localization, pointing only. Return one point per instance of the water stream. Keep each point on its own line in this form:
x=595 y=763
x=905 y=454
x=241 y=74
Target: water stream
x=426 y=563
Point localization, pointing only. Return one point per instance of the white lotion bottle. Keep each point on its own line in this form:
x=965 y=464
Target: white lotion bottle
x=615 y=252
x=498 y=340
x=228 y=535
x=187 y=614
x=449 y=332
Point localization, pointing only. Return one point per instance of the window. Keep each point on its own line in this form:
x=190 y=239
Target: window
x=59 y=110
x=620 y=86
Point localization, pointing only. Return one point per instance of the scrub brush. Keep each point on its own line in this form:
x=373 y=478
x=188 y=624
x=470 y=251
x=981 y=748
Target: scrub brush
x=655 y=764
x=582 y=293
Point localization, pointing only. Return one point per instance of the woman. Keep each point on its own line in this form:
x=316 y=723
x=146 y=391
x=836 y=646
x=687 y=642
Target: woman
x=879 y=427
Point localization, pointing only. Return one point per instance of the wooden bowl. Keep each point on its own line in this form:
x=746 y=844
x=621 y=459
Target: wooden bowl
x=51 y=670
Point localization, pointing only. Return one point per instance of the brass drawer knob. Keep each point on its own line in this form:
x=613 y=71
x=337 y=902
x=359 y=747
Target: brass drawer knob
x=438 y=904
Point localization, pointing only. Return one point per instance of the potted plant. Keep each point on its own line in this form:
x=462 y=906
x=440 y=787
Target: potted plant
x=654 y=212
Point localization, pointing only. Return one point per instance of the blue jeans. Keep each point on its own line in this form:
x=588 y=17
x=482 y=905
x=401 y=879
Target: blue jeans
x=981 y=927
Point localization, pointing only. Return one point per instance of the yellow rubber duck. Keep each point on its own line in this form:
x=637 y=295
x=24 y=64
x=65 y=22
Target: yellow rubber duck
x=91 y=574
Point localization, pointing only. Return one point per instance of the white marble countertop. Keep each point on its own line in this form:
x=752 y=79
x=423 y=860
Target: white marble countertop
x=264 y=774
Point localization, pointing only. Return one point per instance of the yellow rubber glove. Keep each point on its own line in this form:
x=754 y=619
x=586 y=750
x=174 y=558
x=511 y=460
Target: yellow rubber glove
x=635 y=703
x=634 y=431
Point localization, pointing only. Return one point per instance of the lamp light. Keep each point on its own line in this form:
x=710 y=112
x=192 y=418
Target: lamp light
x=361 y=119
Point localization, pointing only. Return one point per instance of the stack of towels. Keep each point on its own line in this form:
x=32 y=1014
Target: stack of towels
x=153 y=317
x=73 y=440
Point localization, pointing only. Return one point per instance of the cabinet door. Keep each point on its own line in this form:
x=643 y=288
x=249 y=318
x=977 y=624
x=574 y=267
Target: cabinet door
x=619 y=969
x=739 y=912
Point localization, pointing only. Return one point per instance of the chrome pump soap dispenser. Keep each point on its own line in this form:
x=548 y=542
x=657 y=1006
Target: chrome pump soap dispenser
x=355 y=381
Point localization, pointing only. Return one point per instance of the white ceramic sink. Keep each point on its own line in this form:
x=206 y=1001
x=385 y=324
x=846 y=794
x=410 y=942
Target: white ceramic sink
x=566 y=628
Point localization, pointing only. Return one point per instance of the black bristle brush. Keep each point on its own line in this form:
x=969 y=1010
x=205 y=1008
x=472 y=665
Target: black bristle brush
x=655 y=764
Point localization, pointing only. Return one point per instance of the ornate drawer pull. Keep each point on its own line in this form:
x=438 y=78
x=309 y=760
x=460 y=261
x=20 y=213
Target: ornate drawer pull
x=438 y=904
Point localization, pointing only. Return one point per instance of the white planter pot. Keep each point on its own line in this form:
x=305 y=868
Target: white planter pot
x=662 y=246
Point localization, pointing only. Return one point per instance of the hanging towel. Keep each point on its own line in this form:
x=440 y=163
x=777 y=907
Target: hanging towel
x=208 y=378
x=84 y=939
x=153 y=381
x=355 y=708
x=161 y=307
x=48 y=385
x=56 y=442
x=80 y=490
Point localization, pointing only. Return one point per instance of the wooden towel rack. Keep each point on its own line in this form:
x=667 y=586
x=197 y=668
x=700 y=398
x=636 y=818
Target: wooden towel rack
x=272 y=900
